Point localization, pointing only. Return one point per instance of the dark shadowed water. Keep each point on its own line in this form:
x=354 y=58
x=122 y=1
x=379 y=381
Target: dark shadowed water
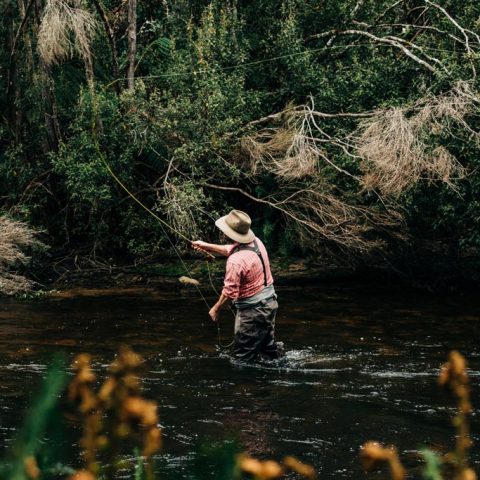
x=362 y=364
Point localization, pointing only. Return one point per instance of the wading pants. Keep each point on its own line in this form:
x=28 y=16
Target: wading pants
x=254 y=331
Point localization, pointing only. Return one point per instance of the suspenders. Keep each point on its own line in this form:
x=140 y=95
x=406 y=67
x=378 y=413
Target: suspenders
x=258 y=252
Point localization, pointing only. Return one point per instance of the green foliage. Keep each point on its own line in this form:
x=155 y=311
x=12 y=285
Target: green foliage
x=204 y=71
x=155 y=51
x=42 y=420
x=140 y=471
x=14 y=172
x=219 y=458
x=433 y=465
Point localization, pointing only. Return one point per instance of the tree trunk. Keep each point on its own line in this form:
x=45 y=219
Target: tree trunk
x=132 y=42
x=27 y=67
x=415 y=12
x=12 y=112
x=28 y=43
x=49 y=101
x=111 y=41
x=87 y=59
x=50 y=107
x=15 y=38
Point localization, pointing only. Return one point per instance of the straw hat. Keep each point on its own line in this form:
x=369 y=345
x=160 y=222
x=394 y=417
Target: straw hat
x=236 y=225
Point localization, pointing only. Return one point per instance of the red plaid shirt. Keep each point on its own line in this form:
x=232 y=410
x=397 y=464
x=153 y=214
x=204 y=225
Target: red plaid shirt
x=244 y=272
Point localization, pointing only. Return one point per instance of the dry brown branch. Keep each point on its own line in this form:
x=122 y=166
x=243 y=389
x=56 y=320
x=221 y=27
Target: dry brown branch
x=394 y=143
x=181 y=202
x=14 y=236
x=278 y=116
x=395 y=148
x=65 y=30
x=12 y=284
x=285 y=152
x=319 y=216
x=294 y=149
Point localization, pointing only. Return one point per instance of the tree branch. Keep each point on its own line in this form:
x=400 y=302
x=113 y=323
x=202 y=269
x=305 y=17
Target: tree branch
x=391 y=41
x=15 y=40
x=279 y=115
x=111 y=40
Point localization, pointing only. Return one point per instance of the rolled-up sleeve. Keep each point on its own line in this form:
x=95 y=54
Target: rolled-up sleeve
x=231 y=284
x=230 y=247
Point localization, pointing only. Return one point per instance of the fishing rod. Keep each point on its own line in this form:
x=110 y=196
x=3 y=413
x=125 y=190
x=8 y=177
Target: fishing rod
x=161 y=222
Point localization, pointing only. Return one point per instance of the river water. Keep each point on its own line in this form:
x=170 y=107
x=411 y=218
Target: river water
x=362 y=364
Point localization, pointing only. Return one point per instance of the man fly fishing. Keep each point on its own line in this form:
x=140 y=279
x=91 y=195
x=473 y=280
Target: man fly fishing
x=249 y=284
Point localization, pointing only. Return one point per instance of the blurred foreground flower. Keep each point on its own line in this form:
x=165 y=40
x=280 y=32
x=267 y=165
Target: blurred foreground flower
x=269 y=469
x=453 y=376
x=372 y=454
x=115 y=414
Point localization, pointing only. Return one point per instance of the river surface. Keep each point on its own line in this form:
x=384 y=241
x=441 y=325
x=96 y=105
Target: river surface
x=362 y=364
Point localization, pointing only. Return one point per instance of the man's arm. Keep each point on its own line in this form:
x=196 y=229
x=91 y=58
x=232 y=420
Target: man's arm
x=223 y=250
x=231 y=288
x=214 y=311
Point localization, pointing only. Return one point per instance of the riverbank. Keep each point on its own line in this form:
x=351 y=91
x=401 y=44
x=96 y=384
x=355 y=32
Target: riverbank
x=434 y=270
x=424 y=271
x=168 y=272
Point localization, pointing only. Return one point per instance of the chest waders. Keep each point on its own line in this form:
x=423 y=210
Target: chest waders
x=254 y=326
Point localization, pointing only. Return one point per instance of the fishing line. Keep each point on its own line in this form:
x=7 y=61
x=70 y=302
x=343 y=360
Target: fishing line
x=218 y=320
x=264 y=60
x=161 y=222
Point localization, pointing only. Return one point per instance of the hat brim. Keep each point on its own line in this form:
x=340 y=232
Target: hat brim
x=230 y=233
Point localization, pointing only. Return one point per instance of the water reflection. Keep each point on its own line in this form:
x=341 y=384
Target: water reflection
x=358 y=367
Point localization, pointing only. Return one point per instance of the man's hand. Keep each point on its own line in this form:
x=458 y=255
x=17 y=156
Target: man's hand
x=199 y=245
x=214 y=313
x=215 y=310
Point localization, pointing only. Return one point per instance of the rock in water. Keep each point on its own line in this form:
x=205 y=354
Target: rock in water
x=189 y=281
